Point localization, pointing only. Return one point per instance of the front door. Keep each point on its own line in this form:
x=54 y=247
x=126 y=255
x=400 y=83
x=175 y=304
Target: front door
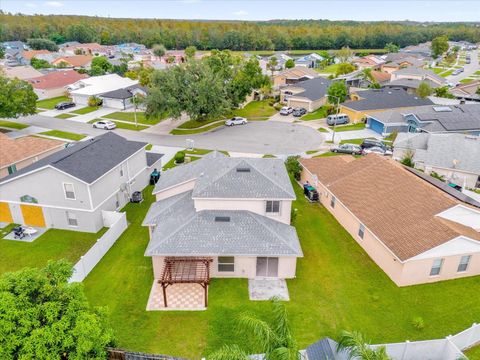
x=267 y=267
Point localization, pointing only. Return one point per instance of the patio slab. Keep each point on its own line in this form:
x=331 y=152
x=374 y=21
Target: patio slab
x=27 y=238
x=188 y=297
x=265 y=289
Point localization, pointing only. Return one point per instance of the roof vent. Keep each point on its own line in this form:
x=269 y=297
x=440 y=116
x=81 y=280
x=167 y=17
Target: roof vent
x=442 y=109
x=222 y=218
x=243 y=170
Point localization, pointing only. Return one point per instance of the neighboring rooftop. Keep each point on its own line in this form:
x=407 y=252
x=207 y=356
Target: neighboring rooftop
x=299 y=72
x=314 y=89
x=21 y=72
x=411 y=83
x=417 y=71
x=56 y=79
x=376 y=99
x=102 y=84
x=29 y=54
x=326 y=349
x=75 y=60
x=125 y=93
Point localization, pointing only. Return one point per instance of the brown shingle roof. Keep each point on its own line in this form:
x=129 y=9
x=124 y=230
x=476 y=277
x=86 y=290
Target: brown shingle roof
x=29 y=54
x=397 y=206
x=15 y=150
x=381 y=77
x=299 y=72
x=74 y=60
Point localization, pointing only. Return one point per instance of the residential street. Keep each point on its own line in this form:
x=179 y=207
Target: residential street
x=470 y=69
x=256 y=137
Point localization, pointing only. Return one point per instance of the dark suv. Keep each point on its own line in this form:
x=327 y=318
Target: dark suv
x=297 y=112
x=368 y=143
x=64 y=105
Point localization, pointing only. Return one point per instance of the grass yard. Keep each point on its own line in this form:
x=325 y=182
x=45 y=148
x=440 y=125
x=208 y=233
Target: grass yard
x=473 y=353
x=330 y=69
x=85 y=110
x=212 y=126
x=130 y=117
x=446 y=73
x=357 y=126
x=466 y=80
x=352 y=141
x=337 y=287
x=65 y=116
x=63 y=135
x=53 y=245
x=320 y=113
x=256 y=110
x=50 y=103
x=12 y=125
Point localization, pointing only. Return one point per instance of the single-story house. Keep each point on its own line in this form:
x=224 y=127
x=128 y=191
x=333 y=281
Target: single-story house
x=368 y=62
x=467 y=91
x=412 y=230
x=55 y=83
x=22 y=72
x=73 y=48
x=294 y=75
x=70 y=188
x=21 y=152
x=423 y=50
x=74 y=61
x=98 y=85
x=309 y=61
x=371 y=101
x=122 y=98
x=229 y=217
x=431 y=119
x=309 y=94
x=407 y=62
x=381 y=77
x=456 y=157
x=410 y=79
x=29 y=54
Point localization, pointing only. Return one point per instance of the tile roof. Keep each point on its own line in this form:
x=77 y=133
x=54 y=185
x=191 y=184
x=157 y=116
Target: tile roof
x=56 y=79
x=74 y=60
x=396 y=205
x=15 y=150
x=21 y=72
x=87 y=160
x=381 y=77
x=29 y=54
x=377 y=99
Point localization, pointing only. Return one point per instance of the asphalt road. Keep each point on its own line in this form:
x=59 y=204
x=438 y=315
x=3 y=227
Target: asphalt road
x=256 y=137
x=470 y=69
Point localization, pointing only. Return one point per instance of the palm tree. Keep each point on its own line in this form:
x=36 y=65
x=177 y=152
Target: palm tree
x=274 y=339
x=137 y=100
x=358 y=348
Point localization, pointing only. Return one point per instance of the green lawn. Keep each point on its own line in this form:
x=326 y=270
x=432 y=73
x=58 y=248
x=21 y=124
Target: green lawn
x=320 y=113
x=65 y=116
x=437 y=70
x=256 y=110
x=473 y=353
x=53 y=245
x=122 y=125
x=330 y=69
x=337 y=287
x=85 y=110
x=466 y=80
x=63 y=135
x=357 y=126
x=352 y=141
x=12 y=125
x=130 y=117
x=50 y=103
x=477 y=72
x=322 y=130
x=446 y=73
x=212 y=126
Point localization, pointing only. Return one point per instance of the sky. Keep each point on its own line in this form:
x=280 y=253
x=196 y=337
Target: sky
x=438 y=10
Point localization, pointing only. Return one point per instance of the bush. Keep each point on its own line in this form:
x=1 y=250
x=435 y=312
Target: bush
x=293 y=216
x=293 y=166
x=179 y=157
x=418 y=323
x=94 y=101
x=407 y=158
x=437 y=176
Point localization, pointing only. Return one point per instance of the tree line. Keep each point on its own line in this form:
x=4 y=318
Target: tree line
x=233 y=35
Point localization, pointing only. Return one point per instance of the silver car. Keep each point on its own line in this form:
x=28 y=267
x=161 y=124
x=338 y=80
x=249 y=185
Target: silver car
x=353 y=149
x=377 y=150
x=237 y=120
x=104 y=124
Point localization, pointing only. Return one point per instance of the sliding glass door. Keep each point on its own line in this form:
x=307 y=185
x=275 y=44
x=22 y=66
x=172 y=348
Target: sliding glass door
x=267 y=267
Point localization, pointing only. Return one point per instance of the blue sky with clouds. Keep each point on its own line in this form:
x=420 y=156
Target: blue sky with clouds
x=256 y=9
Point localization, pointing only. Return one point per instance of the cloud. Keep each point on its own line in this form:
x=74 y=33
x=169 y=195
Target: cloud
x=54 y=3
x=240 y=13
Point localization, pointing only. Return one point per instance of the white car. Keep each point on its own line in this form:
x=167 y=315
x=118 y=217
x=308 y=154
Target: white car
x=104 y=124
x=237 y=120
x=377 y=150
x=286 y=110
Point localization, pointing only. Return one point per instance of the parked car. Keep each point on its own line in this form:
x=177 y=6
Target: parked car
x=347 y=149
x=286 y=110
x=456 y=72
x=297 y=112
x=237 y=120
x=64 y=105
x=338 y=119
x=377 y=150
x=369 y=143
x=104 y=124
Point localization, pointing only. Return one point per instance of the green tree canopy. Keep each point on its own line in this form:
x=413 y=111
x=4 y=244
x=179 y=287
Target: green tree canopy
x=289 y=64
x=2 y=52
x=439 y=45
x=102 y=62
x=190 y=52
x=40 y=63
x=344 y=68
x=17 y=98
x=42 y=44
x=391 y=47
x=443 y=91
x=424 y=90
x=159 y=50
x=358 y=348
x=82 y=32
x=337 y=92
x=42 y=316
x=344 y=54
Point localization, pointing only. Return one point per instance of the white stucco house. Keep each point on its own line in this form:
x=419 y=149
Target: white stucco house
x=70 y=188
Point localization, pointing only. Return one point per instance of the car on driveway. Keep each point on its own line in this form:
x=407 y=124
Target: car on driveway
x=104 y=124
x=286 y=110
x=237 y=120
x=377 y=150
x=64 y=105
x=368 y=143
x=353 y=149
x=339 y=119
x=297 y=112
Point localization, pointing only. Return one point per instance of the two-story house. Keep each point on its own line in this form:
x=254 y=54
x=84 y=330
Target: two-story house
x=70 y=188
x=223 y=217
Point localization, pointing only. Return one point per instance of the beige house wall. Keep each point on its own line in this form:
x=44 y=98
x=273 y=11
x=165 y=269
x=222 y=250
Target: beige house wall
x=309 y=105
x=175 y=190
x=50 y=93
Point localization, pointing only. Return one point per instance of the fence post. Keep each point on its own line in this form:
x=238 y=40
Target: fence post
x=405 y=350
x=471 y=329
x=84 y=275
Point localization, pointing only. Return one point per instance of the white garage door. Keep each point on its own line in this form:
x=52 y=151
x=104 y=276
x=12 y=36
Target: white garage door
x=113 y=103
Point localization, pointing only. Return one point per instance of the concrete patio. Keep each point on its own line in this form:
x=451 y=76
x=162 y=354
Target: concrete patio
x=265 y=289
x=188 y=297
x=27 y=238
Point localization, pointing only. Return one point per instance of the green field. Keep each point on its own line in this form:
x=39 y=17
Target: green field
x=330 y=69
x=85 y=110
x=13 y=125
x=64 y=116
x=50 y=103
x=63 y=135
x=122 y=125
x=256 y=110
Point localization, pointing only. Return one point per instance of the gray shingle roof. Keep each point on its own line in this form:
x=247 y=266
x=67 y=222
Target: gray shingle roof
x=181 y=231
x=385 y=99
x=459 y=118
x=217 y=176
x=417 y=71
x=152 y=158
x=314 y=89
x=88 y=160
x=125 y=93
x=325 y=349
x=410 y=83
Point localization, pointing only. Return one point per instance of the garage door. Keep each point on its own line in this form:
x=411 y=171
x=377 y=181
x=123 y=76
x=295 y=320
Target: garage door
x=5 y=214
x=33 y=215
x=296 y=103
x=113 y=103
x=376 y=126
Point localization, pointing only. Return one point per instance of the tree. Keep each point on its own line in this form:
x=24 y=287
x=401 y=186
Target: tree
x=424 y=90
x=344 y=68
x=443 y=92
x=131 y=74
x=478 y=91
x=272 y=64
x=144 y=76
x=82 y=32
x=289 y=64
x=17 y=98
x=137 y=101
x=190 y=52
x=247 y=77
x=42 y=44
x=439 y=45
x=170 y=59
x=39 y=63
x=344 y=54
x=57 y=38
x=43 y=316
x=2 y=52
x=337 y=92
x=159 y=50
x=293 y=166
x=391 y=48
x=102 y=63
x=358 y=348
x=274 y=339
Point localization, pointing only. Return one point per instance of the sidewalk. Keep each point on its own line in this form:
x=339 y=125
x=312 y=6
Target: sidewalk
x=165 y=126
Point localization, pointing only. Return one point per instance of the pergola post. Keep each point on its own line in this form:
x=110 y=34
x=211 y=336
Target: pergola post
x=164 y=288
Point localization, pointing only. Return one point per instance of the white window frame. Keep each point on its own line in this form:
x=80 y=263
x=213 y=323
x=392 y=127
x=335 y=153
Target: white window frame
x=71 y=216
x=361 y=231
x=73 y=191
x=466 y=264
x=225 y=263
x=441 y=260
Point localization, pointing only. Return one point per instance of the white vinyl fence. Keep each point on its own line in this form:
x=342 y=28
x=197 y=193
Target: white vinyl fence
x=449 y=348
x=117 y=224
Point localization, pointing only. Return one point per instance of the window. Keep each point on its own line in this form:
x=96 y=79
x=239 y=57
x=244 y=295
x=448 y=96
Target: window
x=273 y=207
x=333 y=201
x=72 y=219
x=226 y=264
x=463 y=265
x=361 y=231
x=69 y=191
x=436 y=267
x=12 y=169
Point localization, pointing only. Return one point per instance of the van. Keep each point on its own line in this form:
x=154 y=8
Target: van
x=338 y=119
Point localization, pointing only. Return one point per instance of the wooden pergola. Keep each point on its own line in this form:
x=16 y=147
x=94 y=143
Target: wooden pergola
x=185 y=270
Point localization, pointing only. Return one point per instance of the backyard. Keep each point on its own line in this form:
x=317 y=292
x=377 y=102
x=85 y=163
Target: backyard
x=337 y=287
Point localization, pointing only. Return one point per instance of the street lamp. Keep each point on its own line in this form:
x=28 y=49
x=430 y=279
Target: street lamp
x=335 y=120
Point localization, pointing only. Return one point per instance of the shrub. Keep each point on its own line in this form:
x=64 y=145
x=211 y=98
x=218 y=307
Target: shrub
x=437 y=176
x=407 y=158
x=418 y=323
x=180 y=157
x=293 y=216
x=293 y=166
x=94 y=101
